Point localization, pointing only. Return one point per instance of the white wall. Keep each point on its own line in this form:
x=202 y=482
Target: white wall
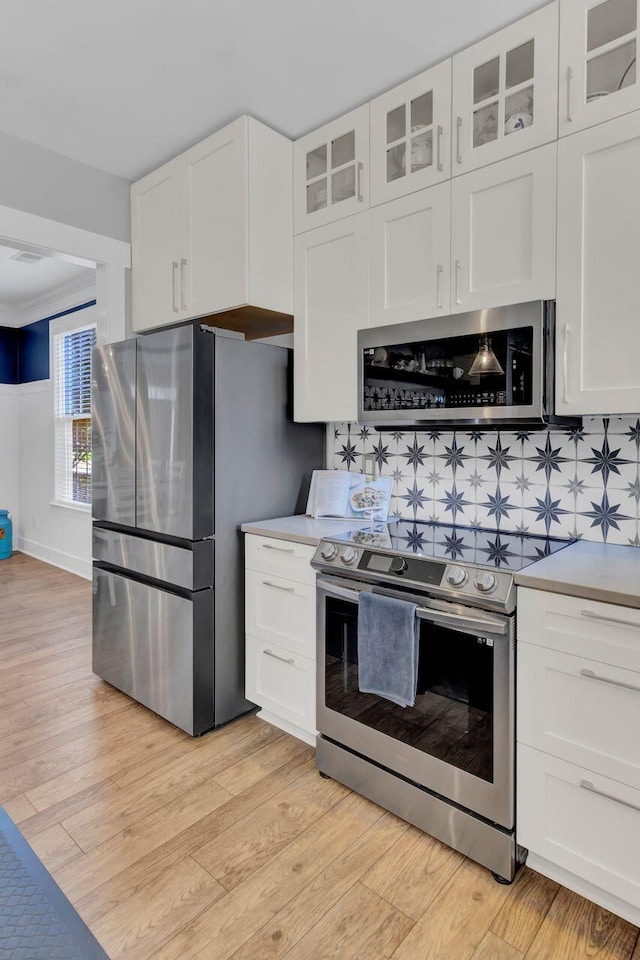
x=57 y=534
x=9 y=450
x=49 y=185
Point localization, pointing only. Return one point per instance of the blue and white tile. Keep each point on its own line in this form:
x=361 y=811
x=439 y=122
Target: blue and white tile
x=605 y=517
x=549 y=511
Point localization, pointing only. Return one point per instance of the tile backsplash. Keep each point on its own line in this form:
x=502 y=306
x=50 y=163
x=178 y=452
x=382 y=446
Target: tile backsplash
x=584 y=482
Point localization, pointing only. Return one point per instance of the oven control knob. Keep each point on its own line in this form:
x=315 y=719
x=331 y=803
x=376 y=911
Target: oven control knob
x=457 y=577
x=329 y=551
x=349 y=555
x=485 y=582
x=399 y=565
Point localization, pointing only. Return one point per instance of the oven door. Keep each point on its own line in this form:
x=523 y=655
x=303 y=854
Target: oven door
x=458 y=740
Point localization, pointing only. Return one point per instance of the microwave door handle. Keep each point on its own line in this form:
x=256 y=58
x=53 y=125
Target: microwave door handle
x=481 y=624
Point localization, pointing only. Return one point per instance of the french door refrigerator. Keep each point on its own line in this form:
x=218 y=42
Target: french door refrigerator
x=192 y=436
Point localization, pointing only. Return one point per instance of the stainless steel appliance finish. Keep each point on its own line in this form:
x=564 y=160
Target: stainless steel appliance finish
x=414 y=389
x=454 y=750
x=214 y=446
x=114 y=433
x=154 y=663
x=189 y=567
x=481 y=841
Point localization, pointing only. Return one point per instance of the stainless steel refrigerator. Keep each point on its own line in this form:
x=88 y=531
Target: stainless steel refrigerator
x=192 y=436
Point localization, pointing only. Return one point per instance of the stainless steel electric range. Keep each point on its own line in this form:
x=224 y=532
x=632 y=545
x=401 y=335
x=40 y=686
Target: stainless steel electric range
x=447 y=764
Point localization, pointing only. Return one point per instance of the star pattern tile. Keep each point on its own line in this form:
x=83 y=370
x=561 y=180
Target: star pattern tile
x=584 y=482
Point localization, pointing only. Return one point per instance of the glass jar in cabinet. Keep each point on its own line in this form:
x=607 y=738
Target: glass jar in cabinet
x=411 y=135
x=331 y=171
x=598 y=65
x=504 y=92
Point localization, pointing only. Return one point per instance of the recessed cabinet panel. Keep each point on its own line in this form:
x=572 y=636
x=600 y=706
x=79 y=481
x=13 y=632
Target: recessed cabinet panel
x=580 y=820
x=411 y=135
x=503 y=232
x=331 y=305
x=158 y=226
x=505 y=92
x=217 y=263
x=598 y=66
x=598 y=279
x=331 y=171
x=409 y=257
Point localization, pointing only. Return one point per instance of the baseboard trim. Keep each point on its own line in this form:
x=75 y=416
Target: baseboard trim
x=57 y=558
x=584 y=888
x=288 y=727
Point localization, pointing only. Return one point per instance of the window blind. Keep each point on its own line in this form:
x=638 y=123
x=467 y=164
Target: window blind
x=72 y=414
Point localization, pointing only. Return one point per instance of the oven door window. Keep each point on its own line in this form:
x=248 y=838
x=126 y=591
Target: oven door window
x=452 y=719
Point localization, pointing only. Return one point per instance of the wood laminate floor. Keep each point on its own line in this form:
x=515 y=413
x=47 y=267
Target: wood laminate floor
x=232 y=846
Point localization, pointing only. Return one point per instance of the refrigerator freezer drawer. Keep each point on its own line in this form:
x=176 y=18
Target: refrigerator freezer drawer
x=191 y=569
x=145 y=644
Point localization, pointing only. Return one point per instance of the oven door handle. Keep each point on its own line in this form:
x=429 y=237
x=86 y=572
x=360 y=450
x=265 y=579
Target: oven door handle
x=462 y=621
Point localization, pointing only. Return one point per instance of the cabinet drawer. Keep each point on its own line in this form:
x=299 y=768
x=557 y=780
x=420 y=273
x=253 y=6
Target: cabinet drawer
x=282 y=683
x=581 y=821
x=282 y=611
x=599 y=631
x=581 y=710
x=282 y=558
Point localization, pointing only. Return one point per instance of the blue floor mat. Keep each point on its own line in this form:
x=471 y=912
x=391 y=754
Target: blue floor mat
x=37 y=922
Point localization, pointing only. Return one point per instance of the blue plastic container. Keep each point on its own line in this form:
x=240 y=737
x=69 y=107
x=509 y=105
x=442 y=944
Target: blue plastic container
x=6 y=530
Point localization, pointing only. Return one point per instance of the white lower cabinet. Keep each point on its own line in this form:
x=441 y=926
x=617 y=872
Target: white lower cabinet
x=578 y=752
x=280 y=619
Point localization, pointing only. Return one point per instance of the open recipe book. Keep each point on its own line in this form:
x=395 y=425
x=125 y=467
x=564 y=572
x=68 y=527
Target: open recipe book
x=356 y=496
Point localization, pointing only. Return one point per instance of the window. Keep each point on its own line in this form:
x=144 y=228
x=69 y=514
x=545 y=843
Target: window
x=72 y=414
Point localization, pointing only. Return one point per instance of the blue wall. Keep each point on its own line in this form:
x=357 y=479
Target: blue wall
x=24 y=351
x=9 y=355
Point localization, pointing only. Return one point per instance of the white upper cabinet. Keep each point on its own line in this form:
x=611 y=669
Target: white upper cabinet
x=503 y=232
x=157 y=246
x=331 y=305
x=409 y=256
x=598 y=331
x=598 y=67
x=331 y=171
x=505 y=92
x=212 y=230
x=411 y=135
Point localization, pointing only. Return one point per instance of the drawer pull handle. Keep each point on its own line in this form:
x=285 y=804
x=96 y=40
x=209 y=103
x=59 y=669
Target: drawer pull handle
x=587 y=785
x=596 y=616
x=590 y=675
x=274 y=656
x=276 y=586
x=458 y=129
x=267 y=546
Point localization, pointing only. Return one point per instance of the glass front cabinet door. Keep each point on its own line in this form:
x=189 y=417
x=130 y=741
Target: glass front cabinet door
x=411 y=135
x=505 y=92
x=331 y=171
x=598 y=68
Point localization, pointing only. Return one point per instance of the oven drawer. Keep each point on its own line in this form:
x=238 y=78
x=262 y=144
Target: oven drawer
x=581 y=821
x=281 y=611
x=282 y=558
x=600 y=631
x=187 y=567
x=281 y=682
x=580 y=710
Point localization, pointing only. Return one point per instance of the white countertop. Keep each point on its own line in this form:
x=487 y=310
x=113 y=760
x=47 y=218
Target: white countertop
x=300 y=529
x=602 y=572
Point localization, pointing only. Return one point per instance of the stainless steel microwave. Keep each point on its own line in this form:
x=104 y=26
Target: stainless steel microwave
x=485 y=368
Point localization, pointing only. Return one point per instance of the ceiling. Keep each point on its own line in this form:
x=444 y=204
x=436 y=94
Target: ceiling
x=127 y=84
x=21 y=283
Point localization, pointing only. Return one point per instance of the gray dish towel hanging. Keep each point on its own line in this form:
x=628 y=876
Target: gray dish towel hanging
x=388 y=648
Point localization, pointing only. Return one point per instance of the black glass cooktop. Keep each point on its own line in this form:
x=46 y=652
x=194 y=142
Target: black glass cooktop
x=490 y=548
